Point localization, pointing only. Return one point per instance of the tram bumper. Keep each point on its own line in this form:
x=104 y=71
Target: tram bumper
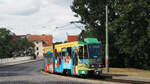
x=98 y=72
x=90 y=72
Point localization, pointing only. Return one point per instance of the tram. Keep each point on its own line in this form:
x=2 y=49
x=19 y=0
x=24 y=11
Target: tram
x=74 y=58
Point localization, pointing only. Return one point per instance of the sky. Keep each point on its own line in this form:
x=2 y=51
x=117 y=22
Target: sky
x=39 y=17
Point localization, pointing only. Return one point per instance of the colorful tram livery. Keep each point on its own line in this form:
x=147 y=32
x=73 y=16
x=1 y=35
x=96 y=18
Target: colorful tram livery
x=74 y=58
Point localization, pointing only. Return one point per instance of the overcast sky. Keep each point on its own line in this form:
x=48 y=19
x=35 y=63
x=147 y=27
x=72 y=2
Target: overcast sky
x=38 y=17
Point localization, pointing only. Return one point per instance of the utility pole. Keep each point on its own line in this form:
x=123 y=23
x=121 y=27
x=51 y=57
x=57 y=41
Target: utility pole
x=106 y=45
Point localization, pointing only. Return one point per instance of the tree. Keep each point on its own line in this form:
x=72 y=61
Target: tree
x=5 y=37
x=22 y=47
x=129 y=28
x=10 y=47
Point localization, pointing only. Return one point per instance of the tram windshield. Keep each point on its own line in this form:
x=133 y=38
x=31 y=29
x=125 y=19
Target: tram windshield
x=94 y=51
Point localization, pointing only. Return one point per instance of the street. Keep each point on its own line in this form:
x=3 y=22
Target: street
x=30 y=73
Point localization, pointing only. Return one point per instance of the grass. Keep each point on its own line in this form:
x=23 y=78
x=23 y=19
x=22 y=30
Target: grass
x=128 y=71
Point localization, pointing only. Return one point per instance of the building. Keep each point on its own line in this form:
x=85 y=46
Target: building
x=71 y=38
x=40 y=42
x=14 y=37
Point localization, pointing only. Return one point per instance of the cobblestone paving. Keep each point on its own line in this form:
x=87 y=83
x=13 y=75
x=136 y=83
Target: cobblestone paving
x=29 y=73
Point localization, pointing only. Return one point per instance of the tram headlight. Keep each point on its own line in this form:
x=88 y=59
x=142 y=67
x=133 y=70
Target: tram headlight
x=100 y=66
x=83 y=72
x=92 y=65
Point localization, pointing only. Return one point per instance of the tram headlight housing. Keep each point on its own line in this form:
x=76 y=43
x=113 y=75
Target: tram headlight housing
x=92 y=65
x=100 y=65
x=96 y=65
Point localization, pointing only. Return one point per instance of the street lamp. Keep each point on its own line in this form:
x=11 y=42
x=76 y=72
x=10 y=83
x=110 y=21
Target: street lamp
x=106 y=45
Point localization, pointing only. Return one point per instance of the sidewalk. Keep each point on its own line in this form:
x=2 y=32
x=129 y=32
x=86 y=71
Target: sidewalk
x=14 y=63
x=127 y=78
x=132 y=78
x=128 y=74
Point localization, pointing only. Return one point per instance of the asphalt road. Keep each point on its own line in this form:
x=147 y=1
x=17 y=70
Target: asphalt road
x=30 y=73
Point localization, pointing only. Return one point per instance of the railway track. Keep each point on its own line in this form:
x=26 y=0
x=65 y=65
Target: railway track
x=107 y=79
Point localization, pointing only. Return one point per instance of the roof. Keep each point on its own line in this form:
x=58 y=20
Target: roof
x=47 y=39
x=14 y=37
x=71 y=38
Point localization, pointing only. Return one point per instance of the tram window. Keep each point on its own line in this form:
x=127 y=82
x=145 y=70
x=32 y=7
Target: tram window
x=56 y=54
x=85 y=51
x=75 y=59
x=59 y=58
x=69 y=50
x=63 y=53
x=59 y=54
x=80 y=52
x=50 y=59
x=46 y=60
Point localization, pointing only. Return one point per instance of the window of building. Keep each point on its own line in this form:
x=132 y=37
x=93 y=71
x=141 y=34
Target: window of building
x=37 y=48
x=37 y=53
x=37 y=42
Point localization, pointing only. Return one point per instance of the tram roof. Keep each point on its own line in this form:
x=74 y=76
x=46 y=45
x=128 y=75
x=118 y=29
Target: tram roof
x=79 y=43
x=92 y=41
x=71 y=44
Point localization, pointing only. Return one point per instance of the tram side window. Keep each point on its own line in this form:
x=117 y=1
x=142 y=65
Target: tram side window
x=80 y=52
x=59 y=58
x=63 y=53
x=69 y=51
x=50 y=59
x=85 y=52
x=75 y=59
x=56 y=54
x=46 y=60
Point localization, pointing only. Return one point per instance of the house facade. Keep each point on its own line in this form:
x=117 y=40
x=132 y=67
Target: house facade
x=38 y=49
x=40 y=42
